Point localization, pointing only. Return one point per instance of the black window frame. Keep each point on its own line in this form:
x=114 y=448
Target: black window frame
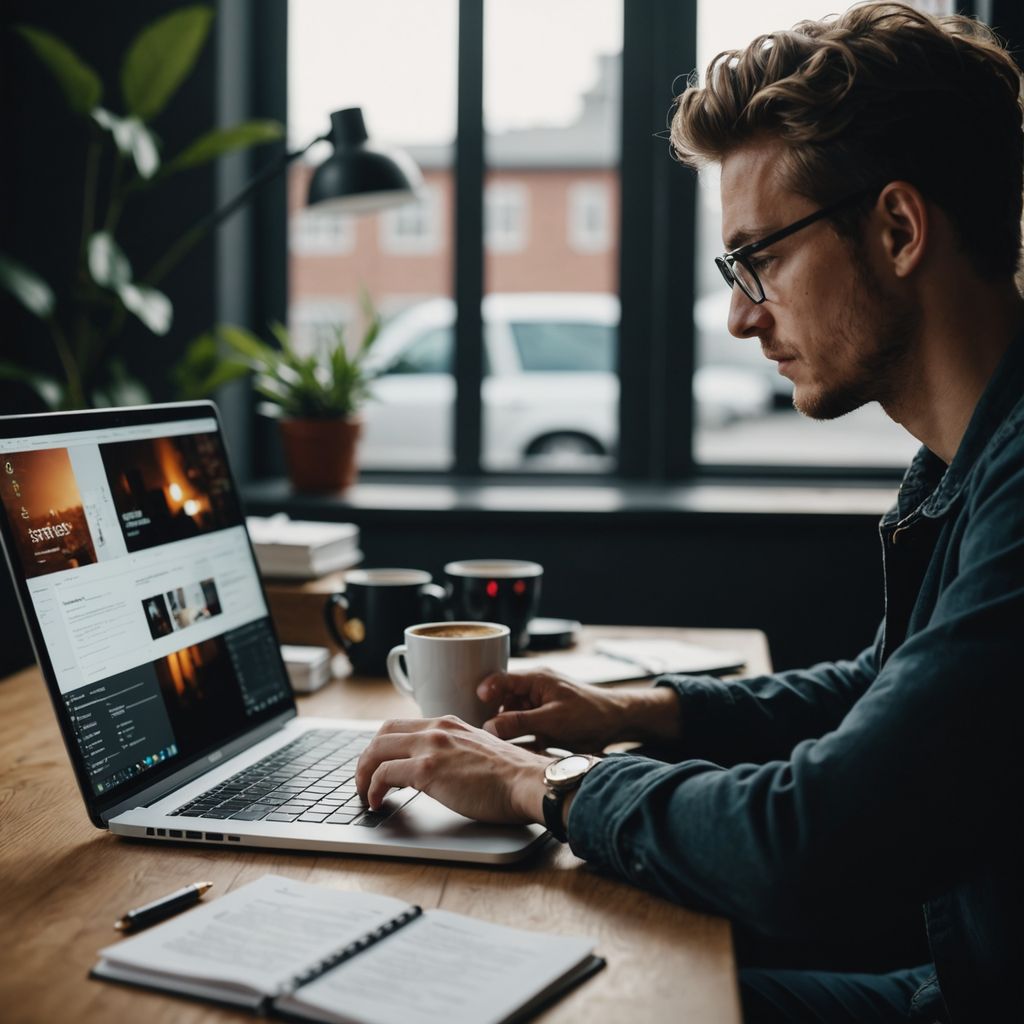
x=657 y=252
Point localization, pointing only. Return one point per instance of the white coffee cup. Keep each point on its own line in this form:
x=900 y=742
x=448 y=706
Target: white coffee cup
x=444 y=664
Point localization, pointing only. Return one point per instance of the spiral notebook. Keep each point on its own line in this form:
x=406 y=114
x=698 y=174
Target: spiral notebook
x=278 y=946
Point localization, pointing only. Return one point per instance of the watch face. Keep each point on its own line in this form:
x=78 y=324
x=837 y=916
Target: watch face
x=567 y=769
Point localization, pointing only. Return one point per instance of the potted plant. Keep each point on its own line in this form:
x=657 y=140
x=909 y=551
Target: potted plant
x=315 y=398
x=86 y=314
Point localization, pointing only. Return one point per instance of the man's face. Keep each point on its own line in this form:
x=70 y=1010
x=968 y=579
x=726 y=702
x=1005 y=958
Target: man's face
x=826 y=320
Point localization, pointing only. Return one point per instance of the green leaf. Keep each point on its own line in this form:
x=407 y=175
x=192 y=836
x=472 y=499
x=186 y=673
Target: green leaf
x=108 y=264
x=81 y=85
x=152 y=307
x=27 y=287
x=248 y=345
x=132 y=138
x=47 y=388
x=203 y=369
x=225 y=140
x=373 y=322
x=160 y=59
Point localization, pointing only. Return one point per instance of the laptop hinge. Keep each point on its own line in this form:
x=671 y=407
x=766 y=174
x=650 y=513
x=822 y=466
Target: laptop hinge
x=190 y=772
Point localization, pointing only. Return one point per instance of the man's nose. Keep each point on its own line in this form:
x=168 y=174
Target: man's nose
x=747 y=319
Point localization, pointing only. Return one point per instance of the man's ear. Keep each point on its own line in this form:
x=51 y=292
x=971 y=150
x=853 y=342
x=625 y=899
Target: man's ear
x=904 y=222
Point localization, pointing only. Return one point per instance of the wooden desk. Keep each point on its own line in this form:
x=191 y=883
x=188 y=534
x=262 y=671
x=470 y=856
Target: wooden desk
x=64 y=883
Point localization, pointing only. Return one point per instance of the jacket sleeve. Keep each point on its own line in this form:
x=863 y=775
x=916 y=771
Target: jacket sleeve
x=898 y=802
x=763 y=718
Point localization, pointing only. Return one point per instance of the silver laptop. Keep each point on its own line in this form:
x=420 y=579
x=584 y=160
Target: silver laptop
x=125 y=535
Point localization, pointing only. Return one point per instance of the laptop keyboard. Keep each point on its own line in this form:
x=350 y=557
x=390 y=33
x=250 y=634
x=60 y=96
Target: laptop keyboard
x=310 y=779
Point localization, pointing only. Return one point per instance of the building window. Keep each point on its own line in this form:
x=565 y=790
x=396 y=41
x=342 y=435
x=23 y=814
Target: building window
x=589 y=217
x=319 y=233
x=413 y=229
x=505 y=214
x=315 y=323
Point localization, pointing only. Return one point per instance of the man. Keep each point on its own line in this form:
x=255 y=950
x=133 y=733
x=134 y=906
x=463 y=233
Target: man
x=871 y=177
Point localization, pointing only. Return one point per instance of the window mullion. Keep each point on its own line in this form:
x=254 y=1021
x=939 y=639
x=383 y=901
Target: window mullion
x=656 y=352
x=468 y=233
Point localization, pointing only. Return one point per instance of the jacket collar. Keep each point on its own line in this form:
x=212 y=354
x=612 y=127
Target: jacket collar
x=931 y=486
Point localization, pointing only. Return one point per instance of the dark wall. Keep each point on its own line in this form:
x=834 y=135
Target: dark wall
x=813 y=583
x=42 y=176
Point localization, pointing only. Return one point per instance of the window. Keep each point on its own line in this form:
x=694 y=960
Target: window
x=551 y=306
x=413 y=229
x=398 y=61
x=429 y=353
x=315 y=323
x=540 y=218
x=505 y=216
x=318 y=233
x=563 y=347
x=590 y=226
x=768 y=431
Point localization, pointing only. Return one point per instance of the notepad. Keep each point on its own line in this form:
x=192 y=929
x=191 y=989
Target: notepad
x=288 y=947
x=620 y=661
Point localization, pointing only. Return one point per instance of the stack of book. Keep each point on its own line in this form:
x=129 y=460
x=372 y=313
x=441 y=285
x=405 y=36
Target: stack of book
x=301 y=549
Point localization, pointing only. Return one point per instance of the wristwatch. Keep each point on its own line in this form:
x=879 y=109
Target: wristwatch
x=562 y=777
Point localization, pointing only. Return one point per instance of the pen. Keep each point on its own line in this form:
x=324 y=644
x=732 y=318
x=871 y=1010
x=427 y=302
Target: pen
x=150 y=913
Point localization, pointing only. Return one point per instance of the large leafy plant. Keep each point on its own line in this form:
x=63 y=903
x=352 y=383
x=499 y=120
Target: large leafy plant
x=331 y=382
x=86 y=322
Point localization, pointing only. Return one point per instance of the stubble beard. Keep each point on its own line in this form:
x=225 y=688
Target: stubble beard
x=873 y=339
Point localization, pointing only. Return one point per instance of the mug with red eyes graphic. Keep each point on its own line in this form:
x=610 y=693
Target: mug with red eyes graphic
x=503 y=590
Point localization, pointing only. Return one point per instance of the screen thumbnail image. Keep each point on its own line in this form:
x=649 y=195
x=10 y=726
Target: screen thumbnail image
x=158 y=617
x=45 y=511
x=193 y=603
x=169 y=488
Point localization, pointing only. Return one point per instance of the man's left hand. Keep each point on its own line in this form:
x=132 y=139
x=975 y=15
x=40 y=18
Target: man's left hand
x=466 y=769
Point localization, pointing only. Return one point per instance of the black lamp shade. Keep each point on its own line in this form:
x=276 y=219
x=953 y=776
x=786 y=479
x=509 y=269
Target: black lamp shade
x=358 y=177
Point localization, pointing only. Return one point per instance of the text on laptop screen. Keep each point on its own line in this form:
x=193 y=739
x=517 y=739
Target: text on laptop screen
x=134 y=549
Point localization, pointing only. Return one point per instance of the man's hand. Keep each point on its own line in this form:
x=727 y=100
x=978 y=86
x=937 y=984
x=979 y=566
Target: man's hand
x=582 y=718
x=466 y=769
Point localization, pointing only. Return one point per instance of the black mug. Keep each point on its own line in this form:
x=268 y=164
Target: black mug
x=378 y=605
x=504 y=590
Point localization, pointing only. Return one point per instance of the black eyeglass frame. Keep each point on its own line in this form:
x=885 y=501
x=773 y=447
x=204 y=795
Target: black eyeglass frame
x=726 y=261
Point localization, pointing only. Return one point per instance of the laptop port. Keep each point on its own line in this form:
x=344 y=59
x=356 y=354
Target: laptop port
x=193 y=835
x=161 y=831
x=234 y=839
x=217 y=837
x=174 y=833
x=150 y=832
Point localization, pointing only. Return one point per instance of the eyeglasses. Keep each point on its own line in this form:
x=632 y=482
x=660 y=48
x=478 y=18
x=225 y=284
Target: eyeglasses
x=735 y=265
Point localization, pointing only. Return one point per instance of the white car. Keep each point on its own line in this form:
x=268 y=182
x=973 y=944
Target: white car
x=550 y=387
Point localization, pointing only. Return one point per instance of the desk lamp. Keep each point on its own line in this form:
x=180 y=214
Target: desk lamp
x=356 y=178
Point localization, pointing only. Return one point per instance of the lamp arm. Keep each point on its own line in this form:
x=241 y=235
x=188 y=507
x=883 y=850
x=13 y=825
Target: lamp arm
x=190 y=237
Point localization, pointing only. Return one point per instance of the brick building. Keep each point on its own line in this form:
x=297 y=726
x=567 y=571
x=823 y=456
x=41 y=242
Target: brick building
x=551 y=213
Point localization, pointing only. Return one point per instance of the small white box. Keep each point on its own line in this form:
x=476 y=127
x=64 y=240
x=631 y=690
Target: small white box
x=308 y=667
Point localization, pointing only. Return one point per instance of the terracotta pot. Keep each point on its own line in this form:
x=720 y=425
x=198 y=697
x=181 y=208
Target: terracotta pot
x=321 y=454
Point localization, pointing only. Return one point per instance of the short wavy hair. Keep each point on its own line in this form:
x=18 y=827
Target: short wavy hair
x=881 y=93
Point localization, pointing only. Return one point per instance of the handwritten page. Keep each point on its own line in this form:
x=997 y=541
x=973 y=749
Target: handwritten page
x=442 y=969
x=257 y=937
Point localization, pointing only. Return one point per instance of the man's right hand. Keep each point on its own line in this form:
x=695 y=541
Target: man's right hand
x=582 y=718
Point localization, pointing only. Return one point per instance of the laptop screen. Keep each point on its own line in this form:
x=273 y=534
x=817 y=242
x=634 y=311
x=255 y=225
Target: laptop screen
x=131 y=544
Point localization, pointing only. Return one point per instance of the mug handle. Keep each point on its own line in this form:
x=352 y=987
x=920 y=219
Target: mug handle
x=434 y=603
x=336 y=601
x=399 y=679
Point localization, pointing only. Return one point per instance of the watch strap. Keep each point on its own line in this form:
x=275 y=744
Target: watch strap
x=553 y=805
